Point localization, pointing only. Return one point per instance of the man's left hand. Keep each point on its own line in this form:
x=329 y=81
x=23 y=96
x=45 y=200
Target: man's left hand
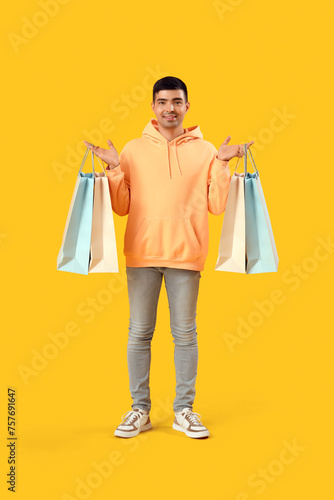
x=226 y=152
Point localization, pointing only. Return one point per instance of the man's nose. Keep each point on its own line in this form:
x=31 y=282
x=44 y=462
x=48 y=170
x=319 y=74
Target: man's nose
x=171 y=107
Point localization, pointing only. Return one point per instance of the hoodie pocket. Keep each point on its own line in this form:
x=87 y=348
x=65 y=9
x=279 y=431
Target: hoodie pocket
x=166 y=238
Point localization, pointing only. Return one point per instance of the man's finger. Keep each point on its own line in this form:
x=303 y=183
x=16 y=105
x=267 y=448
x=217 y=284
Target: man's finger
x=90 y=146
x=250 y=143
x=227 y=139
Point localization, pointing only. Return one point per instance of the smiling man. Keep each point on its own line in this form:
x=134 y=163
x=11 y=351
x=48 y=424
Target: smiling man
x=170 y=107
x=166 y=181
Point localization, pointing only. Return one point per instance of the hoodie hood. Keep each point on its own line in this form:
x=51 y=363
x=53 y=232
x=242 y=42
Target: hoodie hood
x=151 y=132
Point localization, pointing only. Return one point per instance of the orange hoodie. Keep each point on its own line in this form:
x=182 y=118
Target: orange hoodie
x=167 y=188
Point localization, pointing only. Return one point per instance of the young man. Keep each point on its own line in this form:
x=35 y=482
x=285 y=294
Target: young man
x=166 y=181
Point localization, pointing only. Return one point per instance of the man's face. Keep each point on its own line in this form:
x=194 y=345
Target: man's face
x=170 y=107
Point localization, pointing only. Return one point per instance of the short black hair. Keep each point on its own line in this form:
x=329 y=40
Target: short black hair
x=169 y=83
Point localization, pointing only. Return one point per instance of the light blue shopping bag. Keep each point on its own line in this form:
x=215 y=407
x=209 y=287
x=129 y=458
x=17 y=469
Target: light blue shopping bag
x=261 y=253
x=74 y=254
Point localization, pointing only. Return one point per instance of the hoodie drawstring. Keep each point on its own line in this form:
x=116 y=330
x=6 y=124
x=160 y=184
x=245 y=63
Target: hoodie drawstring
x=168 y=159
x=177 y=160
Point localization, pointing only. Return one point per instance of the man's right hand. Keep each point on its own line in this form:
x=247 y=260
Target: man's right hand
x=108 y=156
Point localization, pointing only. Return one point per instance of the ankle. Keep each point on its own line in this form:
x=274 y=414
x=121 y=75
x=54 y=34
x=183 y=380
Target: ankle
x=143 y=410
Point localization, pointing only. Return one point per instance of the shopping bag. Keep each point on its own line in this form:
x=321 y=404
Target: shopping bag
x=74 y=252
x=103 y=250
x=256 y=243
x=231 y=253
x=261 y=249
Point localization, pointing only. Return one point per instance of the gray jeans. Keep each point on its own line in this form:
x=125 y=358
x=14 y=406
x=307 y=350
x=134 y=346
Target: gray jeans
x=182 y=285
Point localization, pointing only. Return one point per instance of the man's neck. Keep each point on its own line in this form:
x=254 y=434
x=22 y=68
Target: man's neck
x=171 y=134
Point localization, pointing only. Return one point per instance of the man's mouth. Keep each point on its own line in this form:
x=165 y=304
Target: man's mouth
x=170 y=117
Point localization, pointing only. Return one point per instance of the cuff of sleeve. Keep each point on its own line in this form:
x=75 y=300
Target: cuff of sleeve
x=114 y=173
x=224 y=163
x=111 y=169
x=116 y=170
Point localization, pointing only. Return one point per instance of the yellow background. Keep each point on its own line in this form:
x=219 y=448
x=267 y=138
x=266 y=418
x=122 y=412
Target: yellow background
x=244 y=62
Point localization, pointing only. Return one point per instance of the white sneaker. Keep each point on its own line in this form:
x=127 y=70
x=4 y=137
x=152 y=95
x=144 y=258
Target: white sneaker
x=188 y=422
x=133 y=422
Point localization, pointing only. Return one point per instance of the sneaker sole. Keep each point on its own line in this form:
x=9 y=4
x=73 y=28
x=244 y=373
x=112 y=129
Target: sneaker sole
x=128 y=434
x=200 y=434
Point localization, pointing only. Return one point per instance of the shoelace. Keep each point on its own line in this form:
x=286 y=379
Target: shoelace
x=193 y=416
x=129 y=416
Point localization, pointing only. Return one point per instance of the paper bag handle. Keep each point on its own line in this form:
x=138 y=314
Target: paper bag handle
x=246 y=150
x=251 y=156
x=84 y=160
x=98 y=159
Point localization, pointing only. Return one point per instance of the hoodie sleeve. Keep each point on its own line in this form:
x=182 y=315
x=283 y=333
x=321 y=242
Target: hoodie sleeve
x=219 y=180
x=119 y=185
